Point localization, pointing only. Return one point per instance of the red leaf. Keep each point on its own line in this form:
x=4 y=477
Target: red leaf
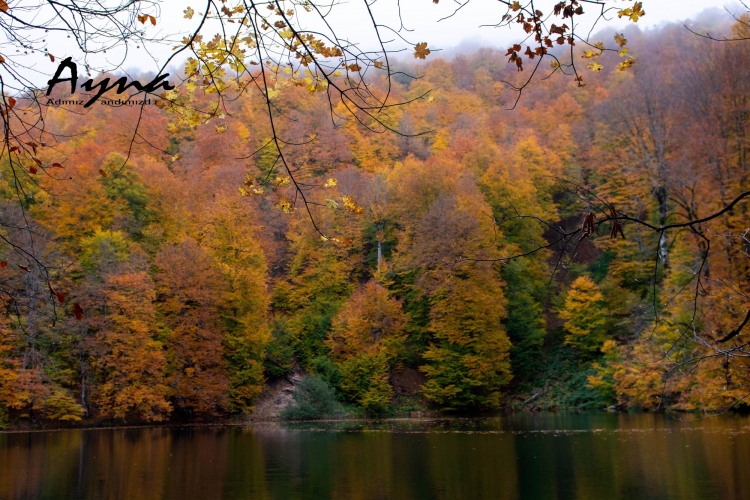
x=58 y=165
x=37 y=160
x=13 y=149
x=24 y=268
x=51 y=57
x=3 y=264
x=78 y=311
x=60 y=296
x=33 y=169
x=588 y=226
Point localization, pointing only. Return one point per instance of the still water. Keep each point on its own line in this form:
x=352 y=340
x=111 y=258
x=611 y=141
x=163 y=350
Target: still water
x=537 y=456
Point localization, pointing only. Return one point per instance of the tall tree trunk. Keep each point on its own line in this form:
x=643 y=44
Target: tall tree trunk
x=661 y=196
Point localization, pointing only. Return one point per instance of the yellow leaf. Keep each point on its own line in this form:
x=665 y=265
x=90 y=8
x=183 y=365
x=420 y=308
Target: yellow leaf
x=331 y=182
x=421 y=51
x=282 y=181
x=378 y=64
x=515 y=6
x=627 y=63
x=595 y=67
x=620 y=40
x=285 y=205
x=176 y=157
x=332 y=203
x=590 y=54
x=623 y=52
x=220 y=129
x=633 y=13
x=352 y=206
x=189 y=13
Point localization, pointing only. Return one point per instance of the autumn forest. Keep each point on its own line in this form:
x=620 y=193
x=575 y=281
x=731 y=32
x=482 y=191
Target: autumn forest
x=424 y=270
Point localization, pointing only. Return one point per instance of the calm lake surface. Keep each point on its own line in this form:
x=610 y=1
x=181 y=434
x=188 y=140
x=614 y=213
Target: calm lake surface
x=525 y=456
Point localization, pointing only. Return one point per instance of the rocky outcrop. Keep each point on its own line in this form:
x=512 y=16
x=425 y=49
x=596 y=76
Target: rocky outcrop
x=277 y=395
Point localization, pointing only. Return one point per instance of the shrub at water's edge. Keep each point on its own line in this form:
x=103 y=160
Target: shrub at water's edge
x=313 y=399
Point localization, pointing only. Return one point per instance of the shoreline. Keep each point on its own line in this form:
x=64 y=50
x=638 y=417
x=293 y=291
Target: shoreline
x=278 y=421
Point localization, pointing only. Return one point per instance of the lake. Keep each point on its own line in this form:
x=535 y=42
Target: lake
x=526 y=456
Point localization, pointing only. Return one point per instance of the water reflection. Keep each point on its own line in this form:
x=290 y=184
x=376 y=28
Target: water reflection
x=525 y=456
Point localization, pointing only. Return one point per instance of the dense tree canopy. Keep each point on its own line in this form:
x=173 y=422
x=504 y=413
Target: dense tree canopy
x=277 y=211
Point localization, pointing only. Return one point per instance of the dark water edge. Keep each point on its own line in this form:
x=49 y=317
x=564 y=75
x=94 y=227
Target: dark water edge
x=519 y=456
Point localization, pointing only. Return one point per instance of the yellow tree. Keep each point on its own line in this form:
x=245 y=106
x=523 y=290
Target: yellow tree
x=365 y=339
x=468 y=364
x=230 y=234
x=585 y=316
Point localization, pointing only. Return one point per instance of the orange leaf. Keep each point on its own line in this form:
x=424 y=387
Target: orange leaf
x=421 y=51
x=103 y=172
x=3 y=5
x=153 y=20
x=11 y=102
